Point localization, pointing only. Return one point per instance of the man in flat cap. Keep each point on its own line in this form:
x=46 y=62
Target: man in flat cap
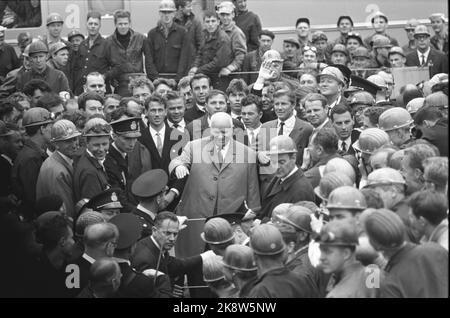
x=135 y=283
x=56 y=173
x=149 y=189
x=126 y=131
x=440 y=38
x=290 y=54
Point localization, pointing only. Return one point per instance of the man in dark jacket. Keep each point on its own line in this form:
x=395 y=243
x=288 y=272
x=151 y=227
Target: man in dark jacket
x=167 y=48
x=249 y=23
x=8 y=57
x=215 y=52
x=90 y=56
x=434 y=127
x=289 y=184
x=124 y=53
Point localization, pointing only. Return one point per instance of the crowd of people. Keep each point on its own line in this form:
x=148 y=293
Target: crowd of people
x=197 y=161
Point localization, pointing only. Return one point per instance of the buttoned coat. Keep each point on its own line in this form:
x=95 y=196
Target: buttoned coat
x=56 y=177
x=211 y=189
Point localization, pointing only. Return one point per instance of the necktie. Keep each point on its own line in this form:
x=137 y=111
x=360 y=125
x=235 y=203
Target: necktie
x=280 y=132
x=238 y=118
x=423 y=60
x=219 y=153
x=159 y=145
x=344 y=147
x=252 y=138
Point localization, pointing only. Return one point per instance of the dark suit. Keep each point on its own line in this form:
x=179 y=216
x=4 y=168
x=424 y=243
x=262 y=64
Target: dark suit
x=294 y=189
x=85 y=266
x=5 y=184
x=437 y=61
x=146 y=256
x=193 y=113
x=350 y=151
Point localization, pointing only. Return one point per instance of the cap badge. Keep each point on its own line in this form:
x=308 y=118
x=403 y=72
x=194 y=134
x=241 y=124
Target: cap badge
x=114 y=197
x=133 y=125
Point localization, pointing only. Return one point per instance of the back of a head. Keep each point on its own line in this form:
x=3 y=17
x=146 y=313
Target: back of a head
x=103 y=270
x=410 y=92
x=430 y=205
x=327 y=139
x=51 y=227
x=96 y=235
x=341 y=165
x=436 y=172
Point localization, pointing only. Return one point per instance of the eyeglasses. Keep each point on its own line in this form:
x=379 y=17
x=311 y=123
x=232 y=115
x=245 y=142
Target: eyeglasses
x=353 y=34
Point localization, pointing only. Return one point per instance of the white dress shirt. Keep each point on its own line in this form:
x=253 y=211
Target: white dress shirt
x=419 y=54
x=288 y=125
x=162 y=134
x=181 y=125
x=348 y=143
x=255 y=134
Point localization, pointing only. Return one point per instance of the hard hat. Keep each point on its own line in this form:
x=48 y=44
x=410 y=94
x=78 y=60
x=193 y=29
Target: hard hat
x=415 y=104
x=377 y=80
x=370 y=140
x=334 y=73
x=56 y=47
x=64 y=130
x=385 y=228
x=411 y=24
x=217 y=231
x=340 y=48
x=281 y=145
x=338 y=233
x=225 y=7
x=361 y=52
x=438 y=99
x=96 y=127
x=75 y=33
x=421 y=30
x=379 y=14
x=239 y=257
x=396 y=50
x=438 y=16
x=330 y=182
x=380 y=41
x=346 y=197
x=167 y=6
x=36 y=116
x=266 y=240
x=341 y=165
x=213 y=269
x=273 y=56
x=355 y=35
x=26 y=51
x=362 y=98
x=37 y=47
x=384 y=176
x=318 y=35
x=394 y=118
x=53 y=18
x=297 y=218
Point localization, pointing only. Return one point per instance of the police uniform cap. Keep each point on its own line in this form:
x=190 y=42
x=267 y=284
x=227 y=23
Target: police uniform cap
x=217 y=231
x=75 y=33
x=4 y=130
x=107 y=199
x=338 y=233
x=129 y=227
x=150 y=183
x=366 y=85
x=232 y=218
x=36 y=116
x=53 y=18
x=127 y=126
x=267 y=240
x=318 y=36
x=56 y=47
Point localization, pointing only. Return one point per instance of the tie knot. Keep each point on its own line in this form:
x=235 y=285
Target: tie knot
x=176 y=125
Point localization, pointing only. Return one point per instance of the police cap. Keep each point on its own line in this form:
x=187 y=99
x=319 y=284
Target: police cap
x=128 y=127
x=150 y=183
x=105 y=200
x=129 y=228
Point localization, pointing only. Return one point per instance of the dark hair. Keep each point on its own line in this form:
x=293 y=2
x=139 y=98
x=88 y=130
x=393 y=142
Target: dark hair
x=50 y=232
x=430 y=205
x=373 y=198
x=427 y=113
x=340 y=109
x=373 y=113
x=125 y=100
x=199 y=76
x=36 y=84
x=77 y=117
x=342 y=17
x=284 y=92
x=252 y=99
x=141 y=81
x=118 y=14
x=417 y=154
x=172 y=95
x=327 y=139
x=300 y=20
x=7 y=107
x=49 y=100
x=268 y=33
x=209 y=14
x=155 y=97
x=237 y=85
x=311 y=97
x=117 y=113
x=165 y=215
x=94 y=15
x=83 y=98
x=18 y=97
x=166 y=81
x=184 y=82
x=216 y=92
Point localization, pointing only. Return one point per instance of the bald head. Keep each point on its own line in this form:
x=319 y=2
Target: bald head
x=221 y=128
x=97 y=235
x=221 y=120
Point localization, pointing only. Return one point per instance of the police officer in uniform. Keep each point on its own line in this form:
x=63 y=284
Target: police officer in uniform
x=107 y=203
x=135 y=284
x=149 y=189
x=126 y=132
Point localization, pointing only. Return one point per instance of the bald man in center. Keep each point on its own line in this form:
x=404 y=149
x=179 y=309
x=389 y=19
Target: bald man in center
x=222 y=178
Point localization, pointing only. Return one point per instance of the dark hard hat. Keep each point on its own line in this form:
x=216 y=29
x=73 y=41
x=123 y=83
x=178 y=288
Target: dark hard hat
x=53 y=18
x=37 y=47
x=217 y=231
x=267 y=240
x=150 y=183
x=338 y=233
x=36 y=116
x=129 y=227
x=75 y=33
x=239 y=257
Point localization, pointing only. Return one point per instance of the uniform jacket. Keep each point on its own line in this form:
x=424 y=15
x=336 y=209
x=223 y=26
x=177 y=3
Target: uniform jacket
x=146 y=256
x=281 y=283
x=124 y=60
x=167 y=55
x=250 y=24
x=211 y=189
x=54 y=78
x=56 y=177
x=87 y=60
x=25 y=172
x=134 y=284
x=214 y=54
x=352 y=283
x=146 y=221
x=294 y=189
x=89 y=177
x=437 y=61
x=417 y=271
x=85 y=266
